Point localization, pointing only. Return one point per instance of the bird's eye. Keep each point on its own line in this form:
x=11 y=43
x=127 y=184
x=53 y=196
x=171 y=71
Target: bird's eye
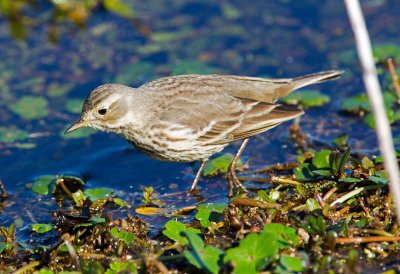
x=102 y=111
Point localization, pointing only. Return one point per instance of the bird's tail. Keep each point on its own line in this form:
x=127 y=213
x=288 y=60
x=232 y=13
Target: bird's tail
x=314 y=78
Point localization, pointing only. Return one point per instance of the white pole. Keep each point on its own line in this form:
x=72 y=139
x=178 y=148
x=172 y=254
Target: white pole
x=374 y=92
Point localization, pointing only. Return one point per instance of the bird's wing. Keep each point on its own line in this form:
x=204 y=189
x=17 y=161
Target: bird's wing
x=218 y=118
x=259 y=89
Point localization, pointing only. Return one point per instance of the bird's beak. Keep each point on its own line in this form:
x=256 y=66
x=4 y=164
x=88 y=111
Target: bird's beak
x=77 y=125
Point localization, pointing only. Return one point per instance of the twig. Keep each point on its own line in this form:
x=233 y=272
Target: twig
x=67 y=240
x=371 y=239
x=373 y=88
x=395 y=78
x=254 y=203
x=347 y=196
x=279 y=180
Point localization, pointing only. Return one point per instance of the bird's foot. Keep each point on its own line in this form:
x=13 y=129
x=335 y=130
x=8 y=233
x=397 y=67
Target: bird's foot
x=234 y=185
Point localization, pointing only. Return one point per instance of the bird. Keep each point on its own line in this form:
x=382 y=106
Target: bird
x=191 y=117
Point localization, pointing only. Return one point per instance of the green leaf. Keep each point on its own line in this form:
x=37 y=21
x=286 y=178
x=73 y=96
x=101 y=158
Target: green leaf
x=355 y=104
x=125 y=236
x=254 y=252
x=206 y=258
x=290 y=264
x=366 y=163
x=303 y=172
x=286 y=236
x=122 y=267
x=349 y=180
x=92 y=221
x=384 y=51
x=312 y=204
x=3 y=246
x=30 y=107
x=98 y=193
x=42 y=228
x=306 y=98
x=45 y=271
x=370 y=120
x=219 y=164
x=79 y=197
x=74 y=105
x=379 y=178
x=173 y=231
x=119 y=8
x=209 y=212
x=341 y=140
x=42 y=184
x=321 y=159
x=11 y=135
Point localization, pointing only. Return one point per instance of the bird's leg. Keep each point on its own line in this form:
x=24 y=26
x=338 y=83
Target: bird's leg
x=198 y=175
x=233 y=181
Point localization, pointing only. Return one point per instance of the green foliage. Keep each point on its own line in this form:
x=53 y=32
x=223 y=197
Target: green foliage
x=306 y=98
x=30 y=107
x=74 y=105
x=92 y=221
x=95 y=194
x=219 y=164
x=207 y=213
x=42 y=228
x=125 y=236
x=119 y=8
x=117 y=267
x=10 y=134
x=207 y=258
x=288 y=264
x=254 y=252
x=384 y=51
x=43 y=184
x=325 y=163
x=173 y=230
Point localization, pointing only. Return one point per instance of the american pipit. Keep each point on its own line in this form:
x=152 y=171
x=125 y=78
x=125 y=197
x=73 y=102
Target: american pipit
x=191 y=117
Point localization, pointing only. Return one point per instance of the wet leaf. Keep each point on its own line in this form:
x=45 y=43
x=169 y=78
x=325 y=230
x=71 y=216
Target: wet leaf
x=92 y=221
x=95 y=194
x=369 y=119
x=303 y=172
x=384 y=51
x=119 y=8
x=379 y=178
x=42 y=228
x=286 y=236
x=321 y=159
x=30 y=107
x=122 y=267
x=150 y=210
x=219 y=164
x=355 y=104
x=173 y=230
x=203 y=257
x=55 y=89
x=307 y=98
x=10 y=135
x=312 y=204
x=254 y=252
x=42 y=184
x=207 y=213
x=290 y=264
x=125 y=236
x=79 y=197
x=74 y=105
x=341 y=140
x=349 y=180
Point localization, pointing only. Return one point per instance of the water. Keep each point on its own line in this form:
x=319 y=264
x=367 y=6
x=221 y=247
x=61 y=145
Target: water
x=280 y=39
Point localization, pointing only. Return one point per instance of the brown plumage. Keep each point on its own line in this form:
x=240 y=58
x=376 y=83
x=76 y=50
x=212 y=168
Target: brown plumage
x=191 y=117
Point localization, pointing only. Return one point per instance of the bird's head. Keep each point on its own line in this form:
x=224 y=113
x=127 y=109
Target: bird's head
x=106 y=108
